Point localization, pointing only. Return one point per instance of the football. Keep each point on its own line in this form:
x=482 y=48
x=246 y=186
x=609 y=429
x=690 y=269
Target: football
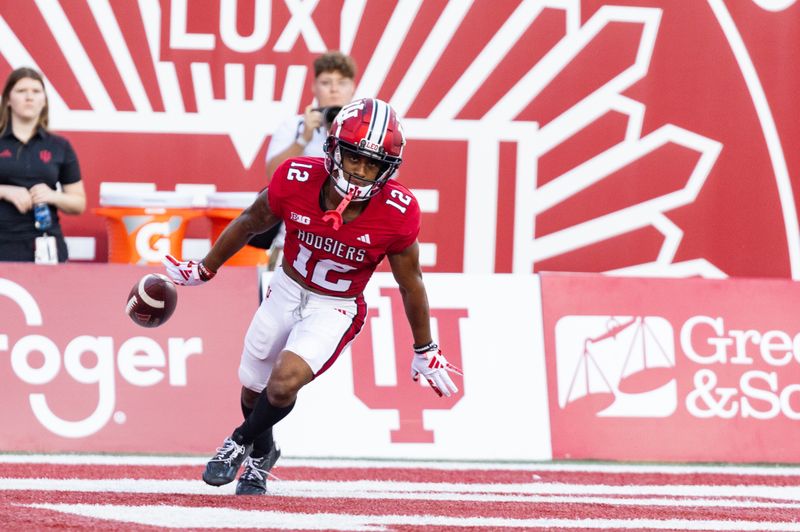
x=152 y=300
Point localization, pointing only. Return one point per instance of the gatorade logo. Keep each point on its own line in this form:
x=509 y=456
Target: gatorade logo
x=151 y=238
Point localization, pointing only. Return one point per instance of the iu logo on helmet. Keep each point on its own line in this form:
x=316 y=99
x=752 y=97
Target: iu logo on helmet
x=405 y=396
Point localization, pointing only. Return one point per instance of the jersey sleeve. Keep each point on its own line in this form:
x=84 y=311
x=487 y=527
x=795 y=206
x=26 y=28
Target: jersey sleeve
x=408 y=229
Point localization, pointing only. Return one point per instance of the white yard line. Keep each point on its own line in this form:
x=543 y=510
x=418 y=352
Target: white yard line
x=334 y=463
x=183 y=517
x=400 y=490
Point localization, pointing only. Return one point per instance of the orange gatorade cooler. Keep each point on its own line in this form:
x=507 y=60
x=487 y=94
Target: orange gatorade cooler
x=224 y=207
x=145 y=226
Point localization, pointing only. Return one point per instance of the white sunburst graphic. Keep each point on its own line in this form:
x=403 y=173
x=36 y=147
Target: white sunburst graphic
x=499 y=124
x=231 y=115
x=214 y=116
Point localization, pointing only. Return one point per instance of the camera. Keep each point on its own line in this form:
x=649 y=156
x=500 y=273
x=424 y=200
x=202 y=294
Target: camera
x=329 y=114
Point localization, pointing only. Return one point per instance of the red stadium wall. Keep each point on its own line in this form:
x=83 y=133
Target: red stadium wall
x=572 y=366
x=644 y=137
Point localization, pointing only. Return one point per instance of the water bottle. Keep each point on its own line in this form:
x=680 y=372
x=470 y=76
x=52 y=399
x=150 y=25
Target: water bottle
x=41 y=217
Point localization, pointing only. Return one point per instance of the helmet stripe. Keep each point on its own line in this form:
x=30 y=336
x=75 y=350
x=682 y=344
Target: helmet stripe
x=372 y=121
x=383 y=111
x=385 y=126
x=378 y=122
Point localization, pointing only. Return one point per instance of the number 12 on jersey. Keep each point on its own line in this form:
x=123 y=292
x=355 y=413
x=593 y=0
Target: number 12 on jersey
x=294 y=173
x=405 y=199
x=321 y=269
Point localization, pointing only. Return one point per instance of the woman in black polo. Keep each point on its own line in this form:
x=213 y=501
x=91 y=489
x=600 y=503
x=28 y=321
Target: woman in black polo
x=32 y=162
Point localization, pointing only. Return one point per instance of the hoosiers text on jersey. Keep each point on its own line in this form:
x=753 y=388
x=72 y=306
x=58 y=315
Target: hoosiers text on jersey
x=339 y=262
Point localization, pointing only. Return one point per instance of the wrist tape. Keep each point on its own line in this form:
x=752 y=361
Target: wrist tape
x=204 y=273
x=425 y=348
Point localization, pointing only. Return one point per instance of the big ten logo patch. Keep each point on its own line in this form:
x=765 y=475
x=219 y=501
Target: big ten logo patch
x=407 y=397
x=616 y=366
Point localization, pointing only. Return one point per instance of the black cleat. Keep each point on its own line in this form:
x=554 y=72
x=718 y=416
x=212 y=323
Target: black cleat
x=223 y=467
x=254 y=477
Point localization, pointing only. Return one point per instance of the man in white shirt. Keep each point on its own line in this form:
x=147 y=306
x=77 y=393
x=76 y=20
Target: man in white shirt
x=334 y=85
x=305 y=134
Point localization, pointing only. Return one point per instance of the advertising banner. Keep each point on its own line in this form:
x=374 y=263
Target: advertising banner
x=76 y=374
x=366 y=405
x=666 y=369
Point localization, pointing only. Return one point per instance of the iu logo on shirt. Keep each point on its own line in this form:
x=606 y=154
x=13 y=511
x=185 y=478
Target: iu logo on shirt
x=405 y=396
x=45 y=156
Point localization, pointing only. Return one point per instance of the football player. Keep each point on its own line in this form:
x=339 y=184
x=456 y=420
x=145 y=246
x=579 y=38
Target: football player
x=343 y=215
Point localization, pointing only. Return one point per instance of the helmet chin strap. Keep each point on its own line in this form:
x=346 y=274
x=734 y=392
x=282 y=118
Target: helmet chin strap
x=335 y=216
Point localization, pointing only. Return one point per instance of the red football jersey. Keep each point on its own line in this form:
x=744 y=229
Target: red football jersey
x=338 y=262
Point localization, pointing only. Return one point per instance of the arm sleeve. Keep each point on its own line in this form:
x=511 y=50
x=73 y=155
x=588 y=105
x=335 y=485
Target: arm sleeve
x=70 y=170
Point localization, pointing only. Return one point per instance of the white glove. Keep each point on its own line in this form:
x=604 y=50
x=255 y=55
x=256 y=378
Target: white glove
x=187 y=272
x=431 y=364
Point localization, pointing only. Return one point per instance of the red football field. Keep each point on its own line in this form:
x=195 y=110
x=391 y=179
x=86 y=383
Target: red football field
x=40 y=492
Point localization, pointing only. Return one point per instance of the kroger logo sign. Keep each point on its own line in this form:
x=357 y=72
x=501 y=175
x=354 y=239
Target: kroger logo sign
x=139 y=360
